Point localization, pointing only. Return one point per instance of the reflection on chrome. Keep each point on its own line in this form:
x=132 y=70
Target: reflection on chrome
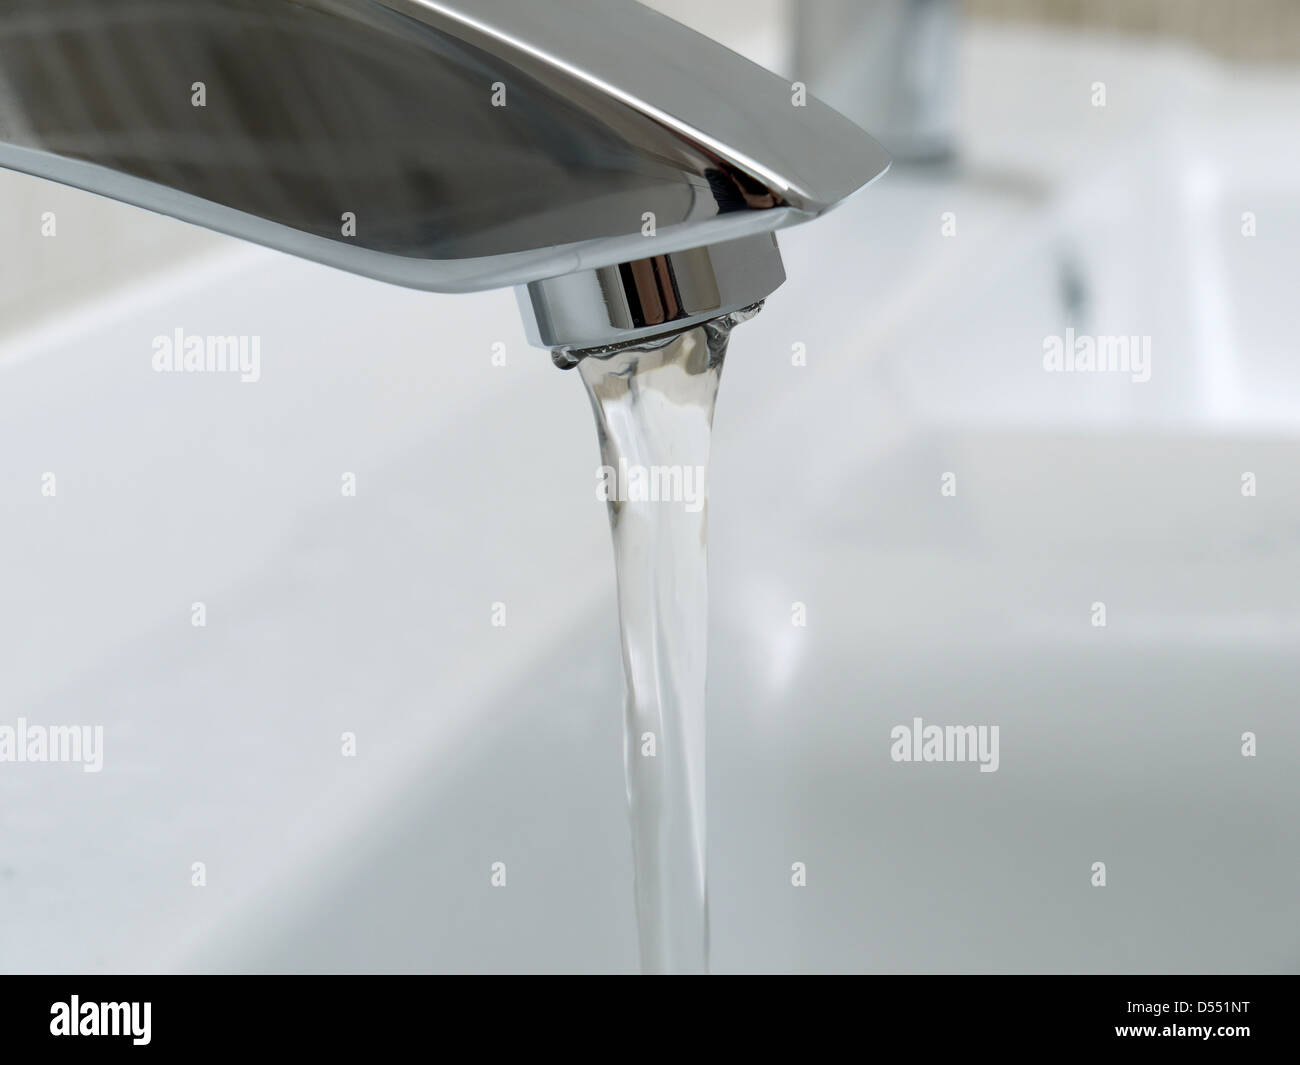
x=449 y=145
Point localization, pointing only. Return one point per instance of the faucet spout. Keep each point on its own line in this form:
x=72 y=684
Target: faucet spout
x=626 y=171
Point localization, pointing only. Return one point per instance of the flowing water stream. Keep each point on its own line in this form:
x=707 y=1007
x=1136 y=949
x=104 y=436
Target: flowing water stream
x=654 y=415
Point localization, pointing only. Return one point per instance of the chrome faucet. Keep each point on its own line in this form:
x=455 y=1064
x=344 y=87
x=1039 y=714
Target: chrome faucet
x=626 y=173
x=890 y=65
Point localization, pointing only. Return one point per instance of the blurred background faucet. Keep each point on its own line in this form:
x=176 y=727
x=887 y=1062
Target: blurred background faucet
x=624 y=171
x=889 y=65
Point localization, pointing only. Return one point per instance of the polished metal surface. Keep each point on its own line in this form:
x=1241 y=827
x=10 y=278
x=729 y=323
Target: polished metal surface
x=448 y=145
x=650 y=297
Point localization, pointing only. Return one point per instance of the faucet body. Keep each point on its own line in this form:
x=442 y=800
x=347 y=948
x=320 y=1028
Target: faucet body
x=624 y=171
x=890 y=65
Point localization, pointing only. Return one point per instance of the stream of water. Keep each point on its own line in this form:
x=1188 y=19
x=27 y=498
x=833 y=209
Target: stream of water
x=654 y=414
